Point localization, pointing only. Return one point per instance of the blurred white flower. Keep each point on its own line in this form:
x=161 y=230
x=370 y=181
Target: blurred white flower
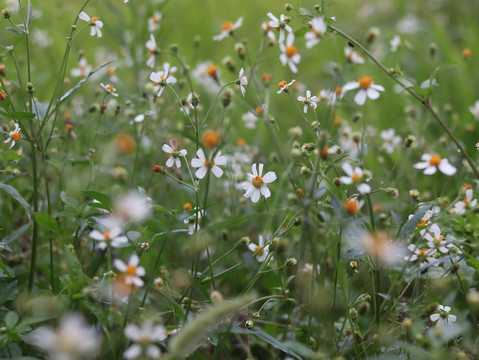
x=131 y=271
x=110 y=237
x=144 y=338
x=163 y=78
x=260 y=251
x=430 y=164
x=95 y=23
x=395 y=42
x=228 y=28
x=82 y=70
x=461 y=206
x=250 y=120
x=283 y=86
x=151 y=47
x=383 y=248
x=289 y=53
x=435 y=240
x=352 y=56
x=109 y=89
x=443 y=317
x=354 y=175
x=242 y=81
x=280 y=25
x=154 y=22
x=318 y=29
x=391 y=140
x=13 y=136
x=475 y=110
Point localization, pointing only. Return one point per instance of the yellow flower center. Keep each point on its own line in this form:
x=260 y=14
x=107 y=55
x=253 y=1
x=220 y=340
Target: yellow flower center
x=94 y=19
x=110 y=88
x=351 y=206
x=324 y=153
x=282 y=84
x=365 y=82
x=3 y=95
x=257 y=182
x=212 y=70
x=421 y=223
x=291 y=51
x=15 y=137
x=260 y=253
x=227 y=25
x=106 y=235
x=338 y=91
x=422 y=252
x=131 y=270
x=356 y=177
x=156 y=19
x=435 y=160
x=209 y=163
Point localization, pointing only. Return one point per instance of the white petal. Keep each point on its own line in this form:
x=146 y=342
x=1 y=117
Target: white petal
x=360 y=97
x=364 y=188
x=201 y=154
x=249 y=191
x=434 y=317
x=265 y=191
x=348 y=169
x=256 y=195
x=350 y=86
x=96 y=235
x=170 y=161
x=134 y=260
x=167 y=148
x=84 y=16
x=430 y=170
x=269 y=177
x=217 y=171
x=197 y=162
x=447 y=168
x=372 y=94
x=260 y=170
x=120 y=265
x=201 y=172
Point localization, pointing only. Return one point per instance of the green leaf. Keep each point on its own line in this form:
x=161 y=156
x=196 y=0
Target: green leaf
x=412 y=223
x=67 y=199
x=9 y=290
x=48 y=222
x=76 y=279
x=14 y=193
x=176 y=308
x=102 y=198
x=21 y=115
x=4 y=269
x=12 y=155
x=12 y=236
x=11 y=319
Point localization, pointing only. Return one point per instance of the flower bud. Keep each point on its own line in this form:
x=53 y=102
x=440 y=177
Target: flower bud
x=392 y=192
x=229 y=63
x=410 y=139
x=291 y=262
x=227 y=95
x=240 y=50
x=6 y=13
x=30 y=88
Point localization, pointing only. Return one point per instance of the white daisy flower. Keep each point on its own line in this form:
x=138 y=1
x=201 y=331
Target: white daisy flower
x=154 y=22
x=461 y=206
x=391 y=140
x=162 y=78
x=283 y=86
x=475 y=110
x=13 y=136
x=242 y=81
x=266 y=28
x=279 y=25
x=443 y=317
x=109 y=89
x=143 y=338
x=368 y=89
x=228 y=28
x=354 y=176
x=131 y=270
x=256 y=184
x=82 y=70
x=259 y=251
x=95 y=22
x=152 y=51
x=430 y=164
x=289 y=53
x=203 y=164
x=308 y=101
x=352 y=56
x=318 y=29
x=250 y=120
x=110 y=237
x=422 y=254
x=435 y=240
x=173 y=153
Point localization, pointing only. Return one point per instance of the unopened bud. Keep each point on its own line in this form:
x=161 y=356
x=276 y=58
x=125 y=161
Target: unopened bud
x=30 y=88
x=240 y=50
x=410 y=139
x=392 y=192
x=291 y=262
x=227 y=95
x=6 y=13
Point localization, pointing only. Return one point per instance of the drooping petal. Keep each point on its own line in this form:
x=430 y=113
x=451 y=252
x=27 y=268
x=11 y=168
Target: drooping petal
x=256 y=195
x=265 y=191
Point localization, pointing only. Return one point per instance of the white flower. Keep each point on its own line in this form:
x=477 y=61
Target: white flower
x=426 y=218
x=131 y=207
x=109 y=88
x=430 y=164
x=266 y=28
x=154 y=22
x=131 y=270
x=443 y=317
x=383 y=248
x=173 y=153
x=353 y=56
x=318 y=29
x=228 y=28
x=289 y=53
x=194 y=220
x=422 y=254
x=208 y=75
x=308 y=101
x=13 y=136
x=163 y=78
x=109 y=237
x=461 y=206
x=475 y=110
x=204 y=164
x=279 y=25
x=95 y=22
x=82 y=70
x=395 y=42
x=141 y=117
x=143 y=337
x=354 y=176
x=259 y=251
x=73 y=339
x=435 y=239
x=151 y=46
x=368 y=89
x=242 y=81
x=250 y=120
x=256 y=184
x=283 y=86
x=188 y=104
x=391 y=140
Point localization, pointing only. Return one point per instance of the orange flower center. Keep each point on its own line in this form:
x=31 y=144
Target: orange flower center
x=241 y=142
x=210 y=139
x=291 y=51
x=209 y=163
x=94 y=19
x=422 y=252
x=421 y=223
x=435 y=160
x=365 y=82
x=212 y=70
x=156 y=19
x=260 y=253
x=15 y=137
x=259 y=110
x=257 y=182
x=187 y=206
x=324 y=153
x=467 y=53
x=351 y=206
x=131 y=270
x=282 y=84
x=3 y=95
x=106 y=235
x=356 y=177
x=111 y=72
x=338 y=91
x=69 y=127
x=227 y=25
x=110 y=88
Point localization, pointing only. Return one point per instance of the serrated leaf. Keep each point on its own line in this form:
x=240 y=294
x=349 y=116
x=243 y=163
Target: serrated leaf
x=48 y=222
x=412 y=223
x=15 y=194
x=9 y=290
